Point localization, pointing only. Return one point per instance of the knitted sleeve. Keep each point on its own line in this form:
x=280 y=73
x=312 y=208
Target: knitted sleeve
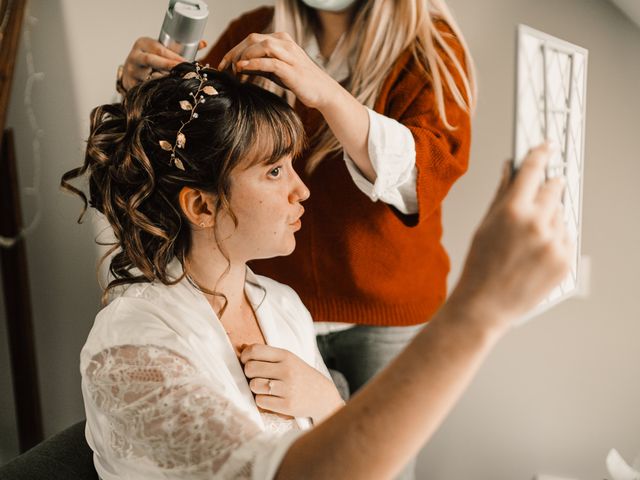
x=442 y=154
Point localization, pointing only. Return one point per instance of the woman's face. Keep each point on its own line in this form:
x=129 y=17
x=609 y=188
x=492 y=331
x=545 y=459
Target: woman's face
x=266 y=200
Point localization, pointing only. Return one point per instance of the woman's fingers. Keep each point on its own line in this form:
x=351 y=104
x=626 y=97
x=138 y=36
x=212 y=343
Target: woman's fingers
x=265 y=353
x=273 y=404
x=549 y=199
x=257 y=368
x=267 y=386
x=531 y=174
x=522 y=248
x=503 y=186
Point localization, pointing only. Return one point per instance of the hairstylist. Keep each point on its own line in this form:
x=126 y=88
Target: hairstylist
x=385 y=90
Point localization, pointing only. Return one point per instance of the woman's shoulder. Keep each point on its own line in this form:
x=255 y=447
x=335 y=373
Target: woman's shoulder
x=130 y=314
x=147 y=312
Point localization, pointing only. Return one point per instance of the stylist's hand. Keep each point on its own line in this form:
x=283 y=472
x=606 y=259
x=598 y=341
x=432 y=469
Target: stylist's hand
x=521 y=250
x=148 y=58
x=284 y=383
x=277 y=57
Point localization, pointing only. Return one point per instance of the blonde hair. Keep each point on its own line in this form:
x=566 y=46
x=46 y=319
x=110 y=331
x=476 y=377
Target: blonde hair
x=382 y=30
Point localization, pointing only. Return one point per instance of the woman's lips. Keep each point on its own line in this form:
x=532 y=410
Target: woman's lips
x=297 y=223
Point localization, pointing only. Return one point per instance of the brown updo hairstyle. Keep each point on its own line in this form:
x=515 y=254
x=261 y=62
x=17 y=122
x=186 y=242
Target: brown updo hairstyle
x=133 y=182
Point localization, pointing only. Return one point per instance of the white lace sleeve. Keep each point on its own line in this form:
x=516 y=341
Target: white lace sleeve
x=159 y=412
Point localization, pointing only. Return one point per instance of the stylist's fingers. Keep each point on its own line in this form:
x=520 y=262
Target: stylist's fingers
x=147 y=56
x=232 y=55
x=156 y=75
x=134 y=74
x=531 y=173
x=272 y=68
x=268 y=48
x=149 y=45
x=258 y=45
x=152 y=61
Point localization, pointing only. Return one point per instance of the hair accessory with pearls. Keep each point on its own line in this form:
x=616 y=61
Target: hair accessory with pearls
x=190 y=104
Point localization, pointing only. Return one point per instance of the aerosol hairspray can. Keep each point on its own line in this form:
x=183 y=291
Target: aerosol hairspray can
x=183 y=26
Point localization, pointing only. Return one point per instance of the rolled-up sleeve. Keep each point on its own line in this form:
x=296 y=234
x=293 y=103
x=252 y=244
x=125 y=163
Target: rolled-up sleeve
x=392 y=153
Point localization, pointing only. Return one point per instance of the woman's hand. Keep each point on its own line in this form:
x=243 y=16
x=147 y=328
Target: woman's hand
x=522 y=248
x=283 y=383
x=277 y=57
x=148 y=58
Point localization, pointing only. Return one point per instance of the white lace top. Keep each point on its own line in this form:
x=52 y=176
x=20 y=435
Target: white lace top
x=166 y=397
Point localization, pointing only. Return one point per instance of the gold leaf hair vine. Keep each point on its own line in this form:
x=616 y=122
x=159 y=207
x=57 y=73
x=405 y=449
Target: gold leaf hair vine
x=192 y=105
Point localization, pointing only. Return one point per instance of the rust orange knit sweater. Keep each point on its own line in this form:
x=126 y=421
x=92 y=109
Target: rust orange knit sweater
x=360 y=261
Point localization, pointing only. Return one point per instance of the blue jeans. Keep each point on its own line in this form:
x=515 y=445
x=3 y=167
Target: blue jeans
x=360 y=352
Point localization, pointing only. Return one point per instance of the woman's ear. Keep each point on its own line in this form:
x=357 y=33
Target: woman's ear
x=197 y=206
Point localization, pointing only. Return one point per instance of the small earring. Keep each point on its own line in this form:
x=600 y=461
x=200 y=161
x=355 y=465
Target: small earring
x=201 y=224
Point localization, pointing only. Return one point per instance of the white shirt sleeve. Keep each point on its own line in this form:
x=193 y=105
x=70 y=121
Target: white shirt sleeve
x=392 y=152
x=156 y=416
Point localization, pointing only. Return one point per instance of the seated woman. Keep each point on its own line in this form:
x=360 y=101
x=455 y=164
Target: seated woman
x=197 y=368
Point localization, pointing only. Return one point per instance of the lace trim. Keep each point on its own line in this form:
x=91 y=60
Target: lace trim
x=162 y=411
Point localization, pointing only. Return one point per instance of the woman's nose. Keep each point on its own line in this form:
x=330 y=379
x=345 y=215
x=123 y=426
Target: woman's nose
x=299 y=192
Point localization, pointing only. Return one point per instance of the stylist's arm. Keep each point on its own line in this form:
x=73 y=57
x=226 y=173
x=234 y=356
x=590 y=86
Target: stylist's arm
x=279 y=58
x=519 y=253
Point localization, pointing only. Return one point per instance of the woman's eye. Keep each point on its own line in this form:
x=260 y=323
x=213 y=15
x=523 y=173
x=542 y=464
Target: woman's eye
x=275 y=172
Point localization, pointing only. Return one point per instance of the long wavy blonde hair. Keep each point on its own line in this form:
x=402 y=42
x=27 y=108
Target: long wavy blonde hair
x=381 y=30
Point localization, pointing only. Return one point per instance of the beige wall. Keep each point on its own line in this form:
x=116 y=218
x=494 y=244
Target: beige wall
x=555 y=395
x=559 y=392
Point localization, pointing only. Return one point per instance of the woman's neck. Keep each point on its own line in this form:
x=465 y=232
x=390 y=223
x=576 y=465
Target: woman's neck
x=331 y=26
x=211 y=271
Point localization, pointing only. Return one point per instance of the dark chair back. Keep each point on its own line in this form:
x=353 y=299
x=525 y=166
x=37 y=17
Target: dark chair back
x=64 y=456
